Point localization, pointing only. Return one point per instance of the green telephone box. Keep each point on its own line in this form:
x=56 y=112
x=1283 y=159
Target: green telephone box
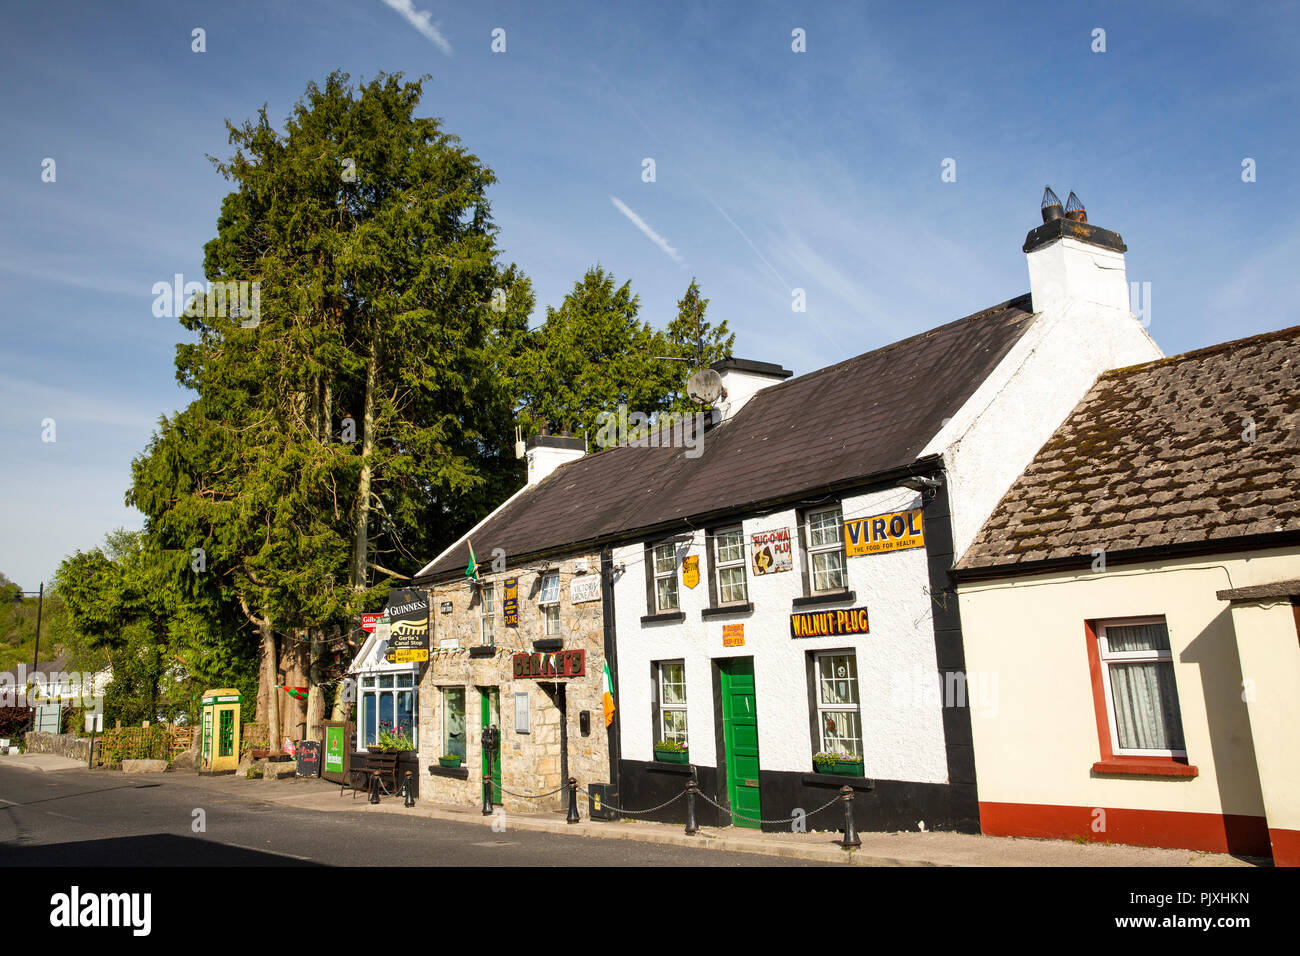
x=219 y=751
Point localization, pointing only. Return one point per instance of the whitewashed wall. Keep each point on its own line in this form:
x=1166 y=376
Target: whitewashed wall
x=902 y=730
x=1084 y=328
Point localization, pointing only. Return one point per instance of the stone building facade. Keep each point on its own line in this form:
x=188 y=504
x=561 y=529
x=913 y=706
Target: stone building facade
x=540 y=680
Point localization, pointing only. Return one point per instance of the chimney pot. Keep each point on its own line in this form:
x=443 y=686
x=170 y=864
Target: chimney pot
x=1074 y=209
x=1051 y=205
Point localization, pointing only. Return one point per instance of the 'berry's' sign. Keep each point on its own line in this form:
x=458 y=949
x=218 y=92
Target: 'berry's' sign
x=558 y=664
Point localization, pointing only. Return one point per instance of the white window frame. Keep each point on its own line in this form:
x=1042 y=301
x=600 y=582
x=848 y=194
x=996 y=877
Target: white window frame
x=661 y=730
x=824 y=706
x=548 y=601
x=368 y=685
x=835 y=547
x=1108 y=657
x=658 y=575
x=487 y=615
x=719 y=565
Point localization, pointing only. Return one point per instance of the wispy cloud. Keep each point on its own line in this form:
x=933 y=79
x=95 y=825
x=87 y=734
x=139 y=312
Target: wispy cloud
x=37 y=400
x=645 y=227
x=422 y=21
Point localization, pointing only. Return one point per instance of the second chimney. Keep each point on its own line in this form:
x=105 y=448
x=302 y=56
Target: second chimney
x=1073 y=263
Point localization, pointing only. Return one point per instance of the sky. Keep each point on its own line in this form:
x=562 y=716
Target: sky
x=775 y=170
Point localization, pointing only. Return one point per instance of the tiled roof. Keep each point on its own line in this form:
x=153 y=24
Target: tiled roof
x=1158 y=455
x=862 y=417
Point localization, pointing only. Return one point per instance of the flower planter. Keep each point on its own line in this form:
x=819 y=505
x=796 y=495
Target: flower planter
x=669 y=756
x=453 y=762
x=842 y=768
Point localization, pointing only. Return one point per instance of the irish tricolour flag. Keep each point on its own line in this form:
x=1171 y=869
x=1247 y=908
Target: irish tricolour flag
x=609 y=696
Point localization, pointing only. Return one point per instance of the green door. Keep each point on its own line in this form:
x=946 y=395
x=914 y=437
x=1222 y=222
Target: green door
x=740 y=736
x=490 y=698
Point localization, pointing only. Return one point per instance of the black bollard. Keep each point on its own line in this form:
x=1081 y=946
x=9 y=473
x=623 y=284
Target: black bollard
x=407 y=783
x=487 y=785
x=850 y=830
x=691 y=826
x=573 y=802
x=374 y=788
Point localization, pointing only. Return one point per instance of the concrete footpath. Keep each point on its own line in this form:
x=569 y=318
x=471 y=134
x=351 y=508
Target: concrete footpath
x=878 y=849
x=41 y=762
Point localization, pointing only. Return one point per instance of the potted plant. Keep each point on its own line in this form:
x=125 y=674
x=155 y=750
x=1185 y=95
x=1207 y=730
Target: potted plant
x=840 y=764
x=391 y=741
x=450 y=760
x=671 y=751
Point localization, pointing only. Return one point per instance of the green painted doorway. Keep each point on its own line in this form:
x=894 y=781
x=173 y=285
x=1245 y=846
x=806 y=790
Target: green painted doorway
x=740 y=737
x=490 y=714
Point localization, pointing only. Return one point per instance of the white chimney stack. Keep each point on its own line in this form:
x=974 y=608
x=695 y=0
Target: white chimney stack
x=1073 y=265
x=742 y=380
x=546 y=452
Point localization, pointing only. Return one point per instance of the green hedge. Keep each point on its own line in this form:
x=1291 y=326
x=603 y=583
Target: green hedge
x=135 y=743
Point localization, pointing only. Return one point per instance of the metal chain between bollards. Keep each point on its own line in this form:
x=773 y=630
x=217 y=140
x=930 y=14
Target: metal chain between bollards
x=528 y=796
x=605 y=804
x=834 y=800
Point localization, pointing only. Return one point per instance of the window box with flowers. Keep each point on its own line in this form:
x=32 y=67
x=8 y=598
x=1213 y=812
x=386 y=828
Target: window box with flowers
x=391 y=740
x=842 y=765
x=671 y=751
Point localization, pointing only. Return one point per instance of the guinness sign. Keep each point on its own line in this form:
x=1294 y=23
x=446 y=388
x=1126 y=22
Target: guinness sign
x=408 y=616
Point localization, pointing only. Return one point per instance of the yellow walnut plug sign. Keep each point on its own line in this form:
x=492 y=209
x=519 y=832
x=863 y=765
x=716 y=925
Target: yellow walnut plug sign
x=881 y=533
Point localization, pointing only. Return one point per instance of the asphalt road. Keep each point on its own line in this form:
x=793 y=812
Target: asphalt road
x=97 y=818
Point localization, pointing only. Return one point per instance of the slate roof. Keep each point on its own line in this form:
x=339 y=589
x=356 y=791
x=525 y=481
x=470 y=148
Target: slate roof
x=865 y=416
x=1156 y=455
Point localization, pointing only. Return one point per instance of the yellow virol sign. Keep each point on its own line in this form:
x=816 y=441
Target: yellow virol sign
x=881 y=533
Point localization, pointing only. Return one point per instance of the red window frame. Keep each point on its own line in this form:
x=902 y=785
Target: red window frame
x=1111 y=762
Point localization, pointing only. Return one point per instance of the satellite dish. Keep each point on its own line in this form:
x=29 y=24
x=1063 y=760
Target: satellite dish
x=704 y=386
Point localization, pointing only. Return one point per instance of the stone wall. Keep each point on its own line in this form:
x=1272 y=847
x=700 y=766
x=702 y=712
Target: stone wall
x=65 y=745
x=531 y=762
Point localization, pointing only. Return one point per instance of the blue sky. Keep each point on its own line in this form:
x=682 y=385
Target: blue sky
x=774 y=170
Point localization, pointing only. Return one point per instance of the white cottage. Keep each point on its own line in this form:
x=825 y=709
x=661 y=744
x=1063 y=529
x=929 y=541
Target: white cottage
x=780 y=612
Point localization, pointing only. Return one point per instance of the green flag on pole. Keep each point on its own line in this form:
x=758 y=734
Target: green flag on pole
x=471 y=569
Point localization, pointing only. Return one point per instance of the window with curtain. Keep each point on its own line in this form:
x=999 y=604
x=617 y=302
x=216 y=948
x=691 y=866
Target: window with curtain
x=672 y=702
x=665 y=577
x=487 y=609
x=825 y=550
x=549 y=602
x=729 y=564
x=838 y=715
x=1141 y=696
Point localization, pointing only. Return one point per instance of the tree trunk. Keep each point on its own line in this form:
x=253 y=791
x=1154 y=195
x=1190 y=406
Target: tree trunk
x=361 y=528
x=315 y=693
x=268 y=698
x=294 y=663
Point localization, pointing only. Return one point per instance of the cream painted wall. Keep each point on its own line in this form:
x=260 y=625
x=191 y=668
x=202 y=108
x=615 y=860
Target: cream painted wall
x=1038 y=745
x=1270 y=662
x=902 y=724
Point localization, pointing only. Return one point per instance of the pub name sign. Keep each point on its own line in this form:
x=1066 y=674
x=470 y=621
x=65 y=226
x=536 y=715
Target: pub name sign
x=557 y=664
